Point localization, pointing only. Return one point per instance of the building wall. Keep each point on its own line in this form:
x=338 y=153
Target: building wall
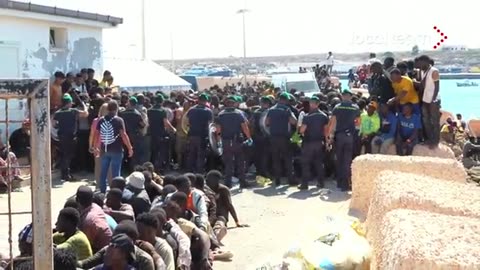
x=30 y=39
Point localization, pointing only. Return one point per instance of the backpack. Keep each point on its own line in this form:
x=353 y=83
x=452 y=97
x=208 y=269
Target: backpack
x=107 y=132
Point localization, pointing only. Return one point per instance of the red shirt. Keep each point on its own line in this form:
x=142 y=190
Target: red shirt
x=94 y=225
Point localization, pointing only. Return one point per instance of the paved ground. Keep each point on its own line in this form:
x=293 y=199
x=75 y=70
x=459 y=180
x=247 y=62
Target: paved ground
x=278 y=217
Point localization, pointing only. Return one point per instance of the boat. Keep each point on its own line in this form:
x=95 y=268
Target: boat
x=204 y=71
x=467 y=84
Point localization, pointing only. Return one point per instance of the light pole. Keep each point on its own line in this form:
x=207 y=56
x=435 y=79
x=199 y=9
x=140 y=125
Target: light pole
x=244 y=70
x=143 y=30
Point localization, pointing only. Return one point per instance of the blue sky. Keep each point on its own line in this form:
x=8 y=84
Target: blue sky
x=210 y=28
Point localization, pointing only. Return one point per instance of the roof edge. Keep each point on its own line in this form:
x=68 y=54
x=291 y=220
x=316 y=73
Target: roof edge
x=55 y=11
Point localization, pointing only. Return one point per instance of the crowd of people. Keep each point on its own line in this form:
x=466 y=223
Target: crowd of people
x=169 y=213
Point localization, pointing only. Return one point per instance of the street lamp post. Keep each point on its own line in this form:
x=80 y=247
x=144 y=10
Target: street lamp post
x=244 y=70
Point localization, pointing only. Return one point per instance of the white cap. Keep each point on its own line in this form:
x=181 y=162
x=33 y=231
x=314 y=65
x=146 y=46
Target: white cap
x=136 y=180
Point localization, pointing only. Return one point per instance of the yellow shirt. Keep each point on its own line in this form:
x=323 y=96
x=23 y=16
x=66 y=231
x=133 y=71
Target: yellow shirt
x=406 y=84
x=78 y=243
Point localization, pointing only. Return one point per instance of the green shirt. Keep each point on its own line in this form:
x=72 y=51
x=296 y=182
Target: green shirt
x=78 y=243
x=369 y=124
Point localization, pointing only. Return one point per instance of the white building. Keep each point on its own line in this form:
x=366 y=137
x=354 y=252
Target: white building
x=37 y=40
x=454 y=48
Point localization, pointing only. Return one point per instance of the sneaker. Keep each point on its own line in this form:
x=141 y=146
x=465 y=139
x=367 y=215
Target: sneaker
x=260 y=181
x=303 y=187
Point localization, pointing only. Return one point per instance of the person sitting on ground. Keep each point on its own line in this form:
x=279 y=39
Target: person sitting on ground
x=115 y=208
x=92 y=219
x=120 y=254
x=211 y=202
x=223 y=195
x=153 y=189
x=166 y=192
x=20 y=140
x=170 y=229
x=8 y=174
x=387 y=132
x=143 y=261
x=155 y=177
x=140 y=200
x=147 y=225
x=68 y=236
x=120 y=183
x=64 y=259
x=99 y=199
x=199 y=240
x=408 y=131
x=470 y=152
x=370 y=124
x=25 y=240
x=195 y=199
x=169 y=180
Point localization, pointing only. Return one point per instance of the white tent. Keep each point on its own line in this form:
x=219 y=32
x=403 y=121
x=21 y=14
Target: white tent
x=143 y=75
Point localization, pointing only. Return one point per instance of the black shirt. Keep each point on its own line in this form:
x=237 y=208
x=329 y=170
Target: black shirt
x=20 y=142
x=67 y=121
x=133 y=121
x=257 y=130
x=279 y=116
x=346 y=112
x=381 y=88
x=198 y=117
x=109 y=129
x=315 y=122
x=156 y=116
x=230 y=121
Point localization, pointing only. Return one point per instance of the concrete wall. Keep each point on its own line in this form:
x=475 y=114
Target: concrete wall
x=30 y=39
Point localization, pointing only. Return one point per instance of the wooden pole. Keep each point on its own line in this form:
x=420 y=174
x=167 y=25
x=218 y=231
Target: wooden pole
x=41 y=177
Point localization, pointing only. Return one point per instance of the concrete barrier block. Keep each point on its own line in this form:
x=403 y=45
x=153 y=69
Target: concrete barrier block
x=442 y=151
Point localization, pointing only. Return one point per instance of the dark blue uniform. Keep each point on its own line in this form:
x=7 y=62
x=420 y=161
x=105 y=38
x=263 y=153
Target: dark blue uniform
x=313 y=146
x=280 y=131
x=133 y=126
x=67 y=124
x=199 y=118
x=346 y=112
x=159 y=137
x=261 y=152
x=230 y=121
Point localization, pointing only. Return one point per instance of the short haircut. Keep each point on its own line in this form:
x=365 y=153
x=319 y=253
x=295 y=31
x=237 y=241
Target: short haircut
x=179 y=197
x=116 y=192
x=71 y=202
x=127 y=227
x=112 y=106
x=24 y=264
x=147 y=175
x=64 y=259
x=90 y=70
x=139 y=168
x=99 y=199
x=191 y=177
x=199 y=180
x=424 y=58
x=84 y=196
x=169 y=179
x=182 y=181
x=148 y=219
x=396 y=71
x=167 y=189
x=160 y=214
x=148 y=166
x=214 y=175
x=70 y=214
x=59 y=75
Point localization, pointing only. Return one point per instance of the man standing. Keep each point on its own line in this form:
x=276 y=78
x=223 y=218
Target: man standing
x=158 y=123
x=90 y=81
x=330 y=62
x=260 y=140
x=133 y=125
x=56 y=92
x=279 y=119
x=430 y=100
x=199 y=118
x=380 y=87
x=66 y=121
x=388 y=66
x=231 y=123
x=345 y=116
x=313 y=129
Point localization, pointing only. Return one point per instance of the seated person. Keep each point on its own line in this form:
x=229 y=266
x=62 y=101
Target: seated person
x=20 y=140
x=68 y=236
x=93 y=221
x=25 y=240
x=143 y=260
x=155 y=177
x=370 y=124
x=115 y=208
x=195 y=200
x=470 y=154
x=387 y=132
x=147 y=225
x=408 y=130
x=120 y=183
x=153 y=189
x=121 y=254
x=8 y=175
x=139 y=200
x=99 y=199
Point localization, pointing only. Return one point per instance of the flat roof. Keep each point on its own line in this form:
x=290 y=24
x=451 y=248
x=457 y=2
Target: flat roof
x=55 y=11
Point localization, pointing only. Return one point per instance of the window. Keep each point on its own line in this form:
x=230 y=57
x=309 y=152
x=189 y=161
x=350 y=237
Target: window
x=58 y=38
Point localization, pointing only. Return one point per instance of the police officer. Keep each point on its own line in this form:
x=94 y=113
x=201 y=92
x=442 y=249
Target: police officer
x=134 y=123
x=199 y=118
x=345 y=116
x=260 y=140
x=279 y=119
x=158 y=125
x=313 y=129
x=66 y=120
x=230 y=124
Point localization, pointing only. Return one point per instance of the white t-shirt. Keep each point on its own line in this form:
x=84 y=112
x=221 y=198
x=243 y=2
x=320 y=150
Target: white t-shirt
x=330 y=60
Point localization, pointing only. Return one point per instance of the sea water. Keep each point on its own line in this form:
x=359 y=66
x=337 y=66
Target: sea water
x=463 y=100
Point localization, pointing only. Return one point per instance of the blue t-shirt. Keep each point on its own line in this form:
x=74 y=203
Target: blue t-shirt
x=408 y=125
x=388 y=126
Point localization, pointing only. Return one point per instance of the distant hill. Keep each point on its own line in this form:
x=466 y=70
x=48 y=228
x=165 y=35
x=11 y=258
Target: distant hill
x=463 y=58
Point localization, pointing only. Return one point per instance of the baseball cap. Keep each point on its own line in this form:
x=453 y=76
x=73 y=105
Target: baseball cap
x=204 y=97
x=314 y=99
x=347 y=92
x=133 y=100
x=267 y=99
x=136 y=180
x=67 y=98
x=284 y=95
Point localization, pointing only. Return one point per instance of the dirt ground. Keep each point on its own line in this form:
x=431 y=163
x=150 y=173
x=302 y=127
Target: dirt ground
x=277 y=218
